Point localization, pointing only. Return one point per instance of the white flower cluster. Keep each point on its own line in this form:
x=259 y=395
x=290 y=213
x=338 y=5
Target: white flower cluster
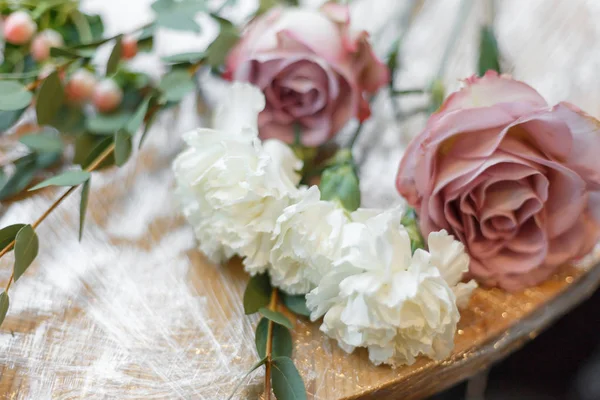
x=242 y=197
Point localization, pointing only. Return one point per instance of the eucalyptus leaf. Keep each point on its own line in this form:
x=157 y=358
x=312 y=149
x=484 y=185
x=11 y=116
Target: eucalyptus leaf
x=69 y=120
x=108 y=124
x=123 y=147
x=115 y=58
x=68 y=178
x=137 y=119
x=14 y=96
x=98 y=149
x=8 y=234
x=178 y=15
x=25 y=169
x=64 y=52
x=286 y=380
x=191 y=57
x=175 y=85
x=257 y=293
x=296 y=303
x=49 y=99
x=489 y=55
x=85 y=193
x=9 y=118
x=46 y=140
x=252 y=369
x=4 y=303
x=276 y=317
x=147 y=128
x=217 y=51
x=281 y=344
x=26 y=249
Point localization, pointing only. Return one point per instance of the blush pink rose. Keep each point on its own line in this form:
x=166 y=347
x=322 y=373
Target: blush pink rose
x=313 y=71
x=516 y=180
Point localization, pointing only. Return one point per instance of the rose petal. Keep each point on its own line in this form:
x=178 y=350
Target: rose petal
x=490 y=90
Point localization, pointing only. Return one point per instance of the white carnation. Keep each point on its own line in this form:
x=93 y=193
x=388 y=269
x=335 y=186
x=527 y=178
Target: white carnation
x=232 y=187
x=449 y=257
x=381 y=297
x=307 y=241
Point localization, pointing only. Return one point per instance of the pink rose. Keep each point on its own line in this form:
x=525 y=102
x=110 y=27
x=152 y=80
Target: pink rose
x=516 y=180
x=313 y=70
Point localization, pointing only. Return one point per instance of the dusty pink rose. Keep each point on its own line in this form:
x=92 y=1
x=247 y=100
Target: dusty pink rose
x=314 y=72
x=516 y=180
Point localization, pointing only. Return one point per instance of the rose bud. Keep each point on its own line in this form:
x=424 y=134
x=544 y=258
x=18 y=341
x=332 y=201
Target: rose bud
x=19 y=28
x=315 y=71
x=81 y=86
x=107 y=95
x=40 y=47
x=129 y=47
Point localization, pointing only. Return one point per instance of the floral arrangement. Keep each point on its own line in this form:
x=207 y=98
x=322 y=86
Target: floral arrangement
x=500 y=188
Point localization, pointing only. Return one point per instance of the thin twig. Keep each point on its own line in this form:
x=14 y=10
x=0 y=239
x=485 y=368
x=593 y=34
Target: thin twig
x=269 y=351
x=103 y=156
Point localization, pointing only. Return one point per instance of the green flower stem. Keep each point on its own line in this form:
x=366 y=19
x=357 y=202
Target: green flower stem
x=269 y=351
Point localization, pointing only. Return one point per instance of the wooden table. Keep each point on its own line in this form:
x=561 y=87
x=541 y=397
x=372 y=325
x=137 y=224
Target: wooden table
x=135 y=312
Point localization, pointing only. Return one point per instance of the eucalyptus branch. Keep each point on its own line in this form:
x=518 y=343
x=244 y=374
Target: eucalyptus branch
x=269 y=352
x=99 y=160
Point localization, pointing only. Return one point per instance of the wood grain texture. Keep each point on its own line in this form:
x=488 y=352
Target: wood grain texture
x=136 y=312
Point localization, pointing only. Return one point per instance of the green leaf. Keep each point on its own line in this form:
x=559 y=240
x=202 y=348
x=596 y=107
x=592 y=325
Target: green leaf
x=68 y=178
x=286 y=380
x=49 y=100
x=191 y=58
x=254 y=368
x=147 y=127
x=44 y=141
x=85 y=193
x=98 y=149
x=9 y=118
x=175 y=85
x=217 y=51
x=411 y=223
x=266 y=5
x=489 y=55
x=108 y=124
x=339 y=182
x=282 y=339
x=123 y=147
x=296 y=304
x=4 y=302
x=178 y=15
x=8 y=234
x=137 y=119
x=69 y=120
x=66 y=53
x=26 y=249
x=257 y=294
x=25 y=169
x=14 y=96
x=438 y=93
x=115 y=58
x=276 y=317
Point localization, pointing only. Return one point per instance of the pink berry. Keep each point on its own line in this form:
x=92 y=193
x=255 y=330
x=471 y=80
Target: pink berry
x=19 y=28
x=43 y=41
x=107 y=95
x=81 y=86
x=129 y=47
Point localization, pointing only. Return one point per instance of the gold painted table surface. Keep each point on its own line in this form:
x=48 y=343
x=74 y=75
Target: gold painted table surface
x=136 y=312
